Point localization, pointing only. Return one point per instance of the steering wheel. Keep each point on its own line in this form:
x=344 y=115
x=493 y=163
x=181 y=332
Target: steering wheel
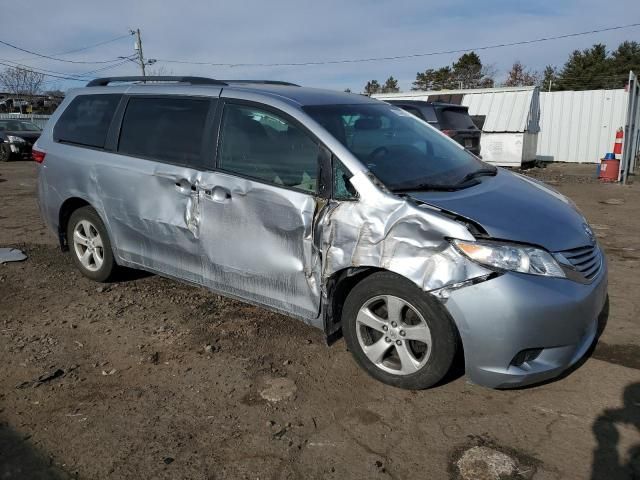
x=377 y=152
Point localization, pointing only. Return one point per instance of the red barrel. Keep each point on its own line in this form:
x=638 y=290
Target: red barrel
x=609 y=170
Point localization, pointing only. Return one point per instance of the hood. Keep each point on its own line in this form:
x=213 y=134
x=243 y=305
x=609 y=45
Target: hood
x=31 y=136
x=513 y=207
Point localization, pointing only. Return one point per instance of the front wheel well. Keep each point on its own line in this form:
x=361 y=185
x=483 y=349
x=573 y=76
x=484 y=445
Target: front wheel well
x=338 y=287
x=69 y=206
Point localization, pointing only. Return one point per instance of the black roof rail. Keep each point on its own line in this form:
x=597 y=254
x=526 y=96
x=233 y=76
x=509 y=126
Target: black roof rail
x=102 y=82
x=264 y=82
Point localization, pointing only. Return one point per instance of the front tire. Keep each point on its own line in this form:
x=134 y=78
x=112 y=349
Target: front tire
x=397 y=333
x=90 y=245
x=5 y=152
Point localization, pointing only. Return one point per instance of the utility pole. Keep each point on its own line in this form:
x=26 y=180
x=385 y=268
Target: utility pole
x=550 y=82
x=138 y=47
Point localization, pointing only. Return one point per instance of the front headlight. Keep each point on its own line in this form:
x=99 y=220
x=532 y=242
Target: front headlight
x=14 y=139
x=512 y=257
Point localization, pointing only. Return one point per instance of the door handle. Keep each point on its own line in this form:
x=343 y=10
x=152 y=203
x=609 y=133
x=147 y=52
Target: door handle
x=220 y=194
x=185 y=186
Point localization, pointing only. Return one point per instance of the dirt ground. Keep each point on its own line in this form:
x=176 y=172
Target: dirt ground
x=148 y=378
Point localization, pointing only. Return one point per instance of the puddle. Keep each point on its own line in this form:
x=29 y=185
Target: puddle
x=624 y=355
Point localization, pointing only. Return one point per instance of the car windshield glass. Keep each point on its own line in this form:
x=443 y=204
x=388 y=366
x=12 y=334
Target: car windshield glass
x=18 y=126
x=402 y=151
x=456 y=119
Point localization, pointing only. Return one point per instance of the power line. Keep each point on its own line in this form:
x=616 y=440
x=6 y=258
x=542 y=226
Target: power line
x=74 y=76
x=402 y=57
x=81 y=48
x=54 y=58
x=62 y=77
x=94 y=45
x=81 y=77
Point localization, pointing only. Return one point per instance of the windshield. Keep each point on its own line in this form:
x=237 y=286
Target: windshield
x=18 y=126
x=402 y=151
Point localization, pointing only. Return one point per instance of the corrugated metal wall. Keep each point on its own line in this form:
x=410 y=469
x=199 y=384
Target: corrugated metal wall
x=39 y=120
x=579 y=126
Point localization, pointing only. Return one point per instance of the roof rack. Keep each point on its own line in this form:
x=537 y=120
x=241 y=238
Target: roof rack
x=102 y=82
x=264 y=82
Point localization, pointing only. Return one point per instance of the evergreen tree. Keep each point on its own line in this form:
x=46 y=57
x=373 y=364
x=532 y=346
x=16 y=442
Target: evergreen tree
x=372 y=87
x=586 y=70
x=390 y=85
x=626 y=57
x=549 y=77
x=466 y=72
x=430 y=79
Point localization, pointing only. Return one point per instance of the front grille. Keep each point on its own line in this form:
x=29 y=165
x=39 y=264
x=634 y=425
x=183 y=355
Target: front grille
x=587 y=260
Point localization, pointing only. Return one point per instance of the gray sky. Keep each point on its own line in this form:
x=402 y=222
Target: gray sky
x=244 y=31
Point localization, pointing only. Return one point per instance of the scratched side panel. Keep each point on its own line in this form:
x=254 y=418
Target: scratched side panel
x=258 y=244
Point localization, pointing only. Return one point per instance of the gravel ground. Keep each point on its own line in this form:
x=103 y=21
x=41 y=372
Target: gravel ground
x=149 y=378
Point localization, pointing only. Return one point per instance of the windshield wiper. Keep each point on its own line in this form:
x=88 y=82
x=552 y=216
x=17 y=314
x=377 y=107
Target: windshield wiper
x=478 y=173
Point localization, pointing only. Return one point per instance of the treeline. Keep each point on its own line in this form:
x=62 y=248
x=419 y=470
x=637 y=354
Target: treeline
x=589 y=69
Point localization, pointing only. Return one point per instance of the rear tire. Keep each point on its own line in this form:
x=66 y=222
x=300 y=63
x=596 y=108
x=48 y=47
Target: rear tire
x=397 y=333
x=90 y=245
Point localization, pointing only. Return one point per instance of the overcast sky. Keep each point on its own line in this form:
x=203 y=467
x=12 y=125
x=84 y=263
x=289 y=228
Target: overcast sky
x=296 y=31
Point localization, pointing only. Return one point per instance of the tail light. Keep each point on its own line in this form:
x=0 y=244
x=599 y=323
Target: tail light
x=449 y=133
x=37 y=155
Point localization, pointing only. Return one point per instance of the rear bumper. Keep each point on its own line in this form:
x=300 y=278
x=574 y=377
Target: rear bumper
x=500 y=318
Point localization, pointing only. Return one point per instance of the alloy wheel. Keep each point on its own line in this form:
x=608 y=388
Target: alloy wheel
x=88 y=245
x=393 y=335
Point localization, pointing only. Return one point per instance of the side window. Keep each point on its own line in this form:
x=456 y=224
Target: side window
x=165 y=129
x=413 y=111
x=260 y=144
x=342 y=188
x=86 y=120
x=430 y=114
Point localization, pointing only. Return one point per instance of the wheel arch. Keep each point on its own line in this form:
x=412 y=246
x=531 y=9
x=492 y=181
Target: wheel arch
x=338 y=287
x=67 y=208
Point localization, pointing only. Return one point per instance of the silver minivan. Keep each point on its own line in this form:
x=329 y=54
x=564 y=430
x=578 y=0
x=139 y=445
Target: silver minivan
x=342 y=211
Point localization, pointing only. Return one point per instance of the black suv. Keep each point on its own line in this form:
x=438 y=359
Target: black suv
x=453 y=120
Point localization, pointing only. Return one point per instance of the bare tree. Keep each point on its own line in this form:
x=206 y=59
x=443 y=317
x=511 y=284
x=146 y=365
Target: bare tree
x=160 y=71
x=21 y=82
x=520 y=76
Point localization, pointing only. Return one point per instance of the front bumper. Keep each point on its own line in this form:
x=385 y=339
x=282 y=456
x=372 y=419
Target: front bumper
x=501 y=317
x=22 y=149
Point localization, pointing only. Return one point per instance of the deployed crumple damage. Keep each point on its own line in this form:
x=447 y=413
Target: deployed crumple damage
x=277 y=247
x=397 y=235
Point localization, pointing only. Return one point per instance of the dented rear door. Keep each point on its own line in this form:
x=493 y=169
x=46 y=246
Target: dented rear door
x=150 y=184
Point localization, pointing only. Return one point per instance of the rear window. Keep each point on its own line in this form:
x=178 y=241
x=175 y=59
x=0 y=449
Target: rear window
x=455 y=119
x=86 y=120
x=166 y=129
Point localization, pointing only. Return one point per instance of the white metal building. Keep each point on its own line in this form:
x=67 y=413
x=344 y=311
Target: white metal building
x=510 y=125
x=580 y=126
